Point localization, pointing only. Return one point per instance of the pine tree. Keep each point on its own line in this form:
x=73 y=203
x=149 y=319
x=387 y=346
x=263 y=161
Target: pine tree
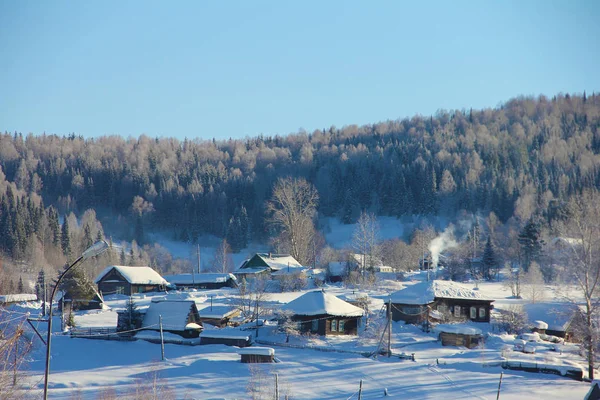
x=122 y=259
x=65 y=239
x=131 y=318
x=87 y=241
x=76 y=285
x=531 y=244
x=490 y=263
x=40 y=285
x=20 y=287
x=139 y=229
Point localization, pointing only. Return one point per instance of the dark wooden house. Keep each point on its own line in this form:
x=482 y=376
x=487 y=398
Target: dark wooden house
x=218 y=315
x=180 y=317
x=266 y=263
x=440 y=300
x=257 y=355
x=118 y=279
x=324 y=314
x=203 y=281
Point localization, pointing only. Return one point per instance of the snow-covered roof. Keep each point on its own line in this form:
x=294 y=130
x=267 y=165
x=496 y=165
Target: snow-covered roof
x=216 y=312
x=225 y=333
x=135 y=275
x=595 y=383
x=337 y=268
x=17 y=298
x=540 y=325
x=188 y=279
x=174 y=315
x=557 y=315
x=358 y=258
x=289 y=271
x=354 y=296
x=260 y=351
x=426 y=292
x=248 y=271
x=279 y=261
x=319 y=302
x=457 y=329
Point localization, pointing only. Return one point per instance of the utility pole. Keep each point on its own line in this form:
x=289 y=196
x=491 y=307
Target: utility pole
x=276 y=387
x=499 y=384
x=162 y=339
x=389 y=346
x=198 y=251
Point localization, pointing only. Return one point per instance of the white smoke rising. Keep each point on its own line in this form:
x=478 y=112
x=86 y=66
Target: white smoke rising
x=442 y=242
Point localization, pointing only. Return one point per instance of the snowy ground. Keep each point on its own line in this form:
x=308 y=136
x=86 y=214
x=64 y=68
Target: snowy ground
x=86 y=368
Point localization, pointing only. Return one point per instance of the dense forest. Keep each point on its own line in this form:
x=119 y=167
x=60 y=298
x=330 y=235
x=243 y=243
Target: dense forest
x=519 y=159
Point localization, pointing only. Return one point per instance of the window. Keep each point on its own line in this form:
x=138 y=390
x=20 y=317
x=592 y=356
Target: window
x=314 y=325
x=443 y=309
x=120 y=290
x=411 y=310
x=333 y=325
x=341 y=325
x=481 y=312
x=473 y=311
x=457 y=311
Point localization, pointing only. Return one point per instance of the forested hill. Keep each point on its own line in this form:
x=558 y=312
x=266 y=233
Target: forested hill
x=511 y=160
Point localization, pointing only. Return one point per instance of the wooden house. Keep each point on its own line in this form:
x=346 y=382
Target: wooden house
x=267 y=263
x=445 y=300
x=459 y=335
x=557 y=316
x=202 y=281
x=336 y=271
x=180 y=317
x=324 y=314
x=118 y=279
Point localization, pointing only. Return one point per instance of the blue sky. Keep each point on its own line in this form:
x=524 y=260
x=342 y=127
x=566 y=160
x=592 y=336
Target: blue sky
x=198 y=69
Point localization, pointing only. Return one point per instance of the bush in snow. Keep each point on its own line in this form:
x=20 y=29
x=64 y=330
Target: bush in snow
x=512 y=320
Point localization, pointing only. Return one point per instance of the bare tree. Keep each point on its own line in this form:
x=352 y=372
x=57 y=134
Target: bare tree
x=223 y=261
x=365 y=240
x=533 y=283
x=292 y=210
x=514 y=280
x=512 y=320
x=251 y=295
x=583 y=226
x=13 y=356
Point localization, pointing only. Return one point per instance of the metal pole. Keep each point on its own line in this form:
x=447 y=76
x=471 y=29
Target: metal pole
x=162 y=339
x=499 y=384
x=389 y=346
x=49 y=334
x=199 y=264
x=276 y=387
x=360 y=390
x=15 y=366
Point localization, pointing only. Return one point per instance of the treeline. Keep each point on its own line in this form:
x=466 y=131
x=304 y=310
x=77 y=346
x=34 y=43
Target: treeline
x=526 y=155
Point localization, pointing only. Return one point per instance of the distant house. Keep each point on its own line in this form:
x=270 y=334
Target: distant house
x=324 y=314
x=17 y=298
x=67 y=303
x=267 y=263
x=118 y=279
x=202 y=281
x=444 y=300
x=179 y=317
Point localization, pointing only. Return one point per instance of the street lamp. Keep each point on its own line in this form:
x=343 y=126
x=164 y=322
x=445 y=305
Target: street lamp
x=94 y=250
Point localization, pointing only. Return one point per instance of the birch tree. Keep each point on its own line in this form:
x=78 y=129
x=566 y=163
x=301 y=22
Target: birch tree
x=292 y=210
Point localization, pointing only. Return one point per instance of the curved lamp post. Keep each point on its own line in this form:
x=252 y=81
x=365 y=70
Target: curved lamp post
x=94 y=250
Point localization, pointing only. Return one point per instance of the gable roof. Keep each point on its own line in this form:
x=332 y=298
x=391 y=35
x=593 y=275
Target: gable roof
x=319 y=302
x=557 y=315
x=427 y=292
x=274 y=262
x=174 y=314
x=188 y=279
x=135 y=275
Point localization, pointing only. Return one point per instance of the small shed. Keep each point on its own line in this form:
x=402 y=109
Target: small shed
x=324 y=314
x=228 y=337
x=257 y=355
x=459 y=335
x=266 y=263
x=217 y=315
x=539 y=327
